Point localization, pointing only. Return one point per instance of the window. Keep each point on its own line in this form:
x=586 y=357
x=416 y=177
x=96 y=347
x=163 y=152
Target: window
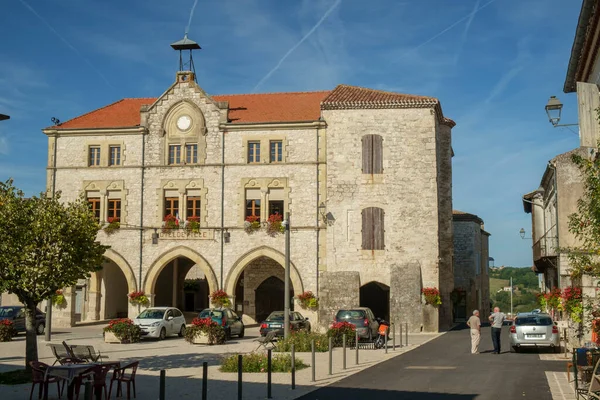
x=94 y=205
x=193 y=207
x=114 y=210
x=372 y=154
x=276 y=150
x=174 y=154
x=372 y=229
x=191 y=153
x=276 y=207
x=171 y=206
x=114 y=155
x=253 y=208
x=94 y=156
x=253 y=152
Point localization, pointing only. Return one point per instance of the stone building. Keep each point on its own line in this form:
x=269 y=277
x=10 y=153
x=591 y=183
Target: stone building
x=365 y=175
x=561 y=185
x=471 y=272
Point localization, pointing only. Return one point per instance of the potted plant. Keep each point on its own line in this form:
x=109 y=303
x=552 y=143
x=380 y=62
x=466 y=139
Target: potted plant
x=7 y=330
x=252 y=224
x=122 y=330
x=219 y=298
x=274 y=224
x=113 y=225
x=139 y=298
x=572 y=303
x=308 y=301
x=192 y=224
x=170 y=222
x=204 y=331
x=338 y=330
x=432 y=296
x=59 y=299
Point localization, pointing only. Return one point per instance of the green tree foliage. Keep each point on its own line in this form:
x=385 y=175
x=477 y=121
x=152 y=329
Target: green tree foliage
x=585 y=223
x=524 y=299
x=45 y=245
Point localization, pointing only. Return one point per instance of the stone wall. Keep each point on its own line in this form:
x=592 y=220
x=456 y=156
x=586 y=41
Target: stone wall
x=406 y=305
x=337 y=290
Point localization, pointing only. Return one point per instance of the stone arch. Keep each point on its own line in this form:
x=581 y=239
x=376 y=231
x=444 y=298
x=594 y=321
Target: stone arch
x=179 y=251
x=376 y=295
x=263 y=251
x=118 y=259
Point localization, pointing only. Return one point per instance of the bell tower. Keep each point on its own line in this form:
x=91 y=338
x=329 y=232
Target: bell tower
x=187 y=70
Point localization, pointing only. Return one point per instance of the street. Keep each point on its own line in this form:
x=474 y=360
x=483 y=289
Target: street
x=444 y=369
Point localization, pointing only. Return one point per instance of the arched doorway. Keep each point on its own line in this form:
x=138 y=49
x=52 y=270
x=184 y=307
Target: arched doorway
x=259 y=290
x=376 y=296
x=195 y=287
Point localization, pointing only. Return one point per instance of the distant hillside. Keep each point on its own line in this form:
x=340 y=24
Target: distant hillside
x=524 y=297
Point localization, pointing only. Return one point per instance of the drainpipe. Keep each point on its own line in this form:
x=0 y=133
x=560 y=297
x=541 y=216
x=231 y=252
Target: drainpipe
x=222 y=203
x=550 y=165
x=142 y=210
x=317 y=218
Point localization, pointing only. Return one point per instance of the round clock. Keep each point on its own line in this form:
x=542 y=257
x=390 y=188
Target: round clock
x=184 y=122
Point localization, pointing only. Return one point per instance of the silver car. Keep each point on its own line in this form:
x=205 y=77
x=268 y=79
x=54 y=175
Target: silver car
x=534 y=330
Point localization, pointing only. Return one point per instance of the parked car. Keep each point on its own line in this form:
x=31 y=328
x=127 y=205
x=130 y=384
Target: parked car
x=534 y=330
x=160 y=322
x=227 y=318
x=275 y=321
x=17 y=315
x=362 y=318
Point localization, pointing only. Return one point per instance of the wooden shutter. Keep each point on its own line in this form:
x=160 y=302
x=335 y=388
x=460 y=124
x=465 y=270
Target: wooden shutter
x=378 y=229
x=367 y=228
x=367 y=154
x=377 y=148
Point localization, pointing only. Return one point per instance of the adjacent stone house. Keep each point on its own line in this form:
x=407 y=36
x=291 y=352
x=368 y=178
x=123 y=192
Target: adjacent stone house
x=471 y=272
x=365 y=175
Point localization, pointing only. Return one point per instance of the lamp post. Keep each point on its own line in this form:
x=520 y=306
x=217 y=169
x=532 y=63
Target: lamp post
x=286 y=307
x=554 y=111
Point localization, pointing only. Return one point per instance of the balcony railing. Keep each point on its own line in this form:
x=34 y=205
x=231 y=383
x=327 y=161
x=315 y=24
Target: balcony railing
x=547 y=246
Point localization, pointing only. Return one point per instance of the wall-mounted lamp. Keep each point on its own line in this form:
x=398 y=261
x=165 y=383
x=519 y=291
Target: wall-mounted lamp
x=554 y=111
x=226 y=236
x=322 y=210
x=155 y=236
x=522 y=233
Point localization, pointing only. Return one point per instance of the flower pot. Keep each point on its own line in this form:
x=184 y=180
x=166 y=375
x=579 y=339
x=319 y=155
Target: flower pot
x=110 y=337
x=201 y=338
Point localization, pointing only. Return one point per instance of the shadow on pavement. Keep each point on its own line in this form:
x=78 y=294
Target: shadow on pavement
x=333 y=392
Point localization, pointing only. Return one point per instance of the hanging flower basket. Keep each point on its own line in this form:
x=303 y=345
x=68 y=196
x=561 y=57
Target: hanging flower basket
x=219 y=298
x=308 y=301
x=274 y=225
x=113 y=225
x=192 y=224
x=252 y=224
x=59 y=299
x=432 y=296
x=139 y=298
x=170 y=222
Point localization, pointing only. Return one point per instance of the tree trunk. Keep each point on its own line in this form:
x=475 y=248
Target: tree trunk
x=31 y=351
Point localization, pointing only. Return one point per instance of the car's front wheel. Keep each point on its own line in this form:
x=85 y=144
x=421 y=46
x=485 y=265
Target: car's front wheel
x=182 y=331
x=40 y=329
x=163 y=334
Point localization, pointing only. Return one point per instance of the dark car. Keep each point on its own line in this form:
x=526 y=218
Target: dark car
x=227 y=318
x=362 y=318
x=275 y=321
x=17 y=315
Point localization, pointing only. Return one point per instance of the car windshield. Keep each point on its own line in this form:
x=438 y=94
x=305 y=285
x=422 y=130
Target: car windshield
x=211 y=314
x=276 y=316
x=151 y=314
x=350 y=314
x=533 y=321
x=7 y=311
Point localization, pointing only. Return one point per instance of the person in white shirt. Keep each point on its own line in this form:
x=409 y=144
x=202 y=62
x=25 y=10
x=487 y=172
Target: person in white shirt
x=475 y=324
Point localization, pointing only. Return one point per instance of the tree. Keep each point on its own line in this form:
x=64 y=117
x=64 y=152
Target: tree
x=45 y=245
x=585 y=223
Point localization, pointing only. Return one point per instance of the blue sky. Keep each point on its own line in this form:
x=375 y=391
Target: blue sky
x=493 y=65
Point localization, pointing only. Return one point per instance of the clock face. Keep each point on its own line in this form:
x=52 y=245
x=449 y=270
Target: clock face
x=184 y=122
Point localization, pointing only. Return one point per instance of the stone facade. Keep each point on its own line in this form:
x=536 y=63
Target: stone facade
x=471 y=272
x=319 y=181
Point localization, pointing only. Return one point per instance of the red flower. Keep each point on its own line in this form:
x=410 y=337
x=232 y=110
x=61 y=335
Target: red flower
x=6 y=322
x=110 y=220
x=135 y=295
x=252 y=218
x=203 y=322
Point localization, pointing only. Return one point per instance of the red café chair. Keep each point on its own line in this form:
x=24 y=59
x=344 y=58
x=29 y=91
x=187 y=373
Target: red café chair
x=38 y=370
x=97 y=374
x=126 y=375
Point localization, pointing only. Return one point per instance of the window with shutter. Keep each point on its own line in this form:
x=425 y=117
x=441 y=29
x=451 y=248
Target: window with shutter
x=373 y=232
x=372 y=154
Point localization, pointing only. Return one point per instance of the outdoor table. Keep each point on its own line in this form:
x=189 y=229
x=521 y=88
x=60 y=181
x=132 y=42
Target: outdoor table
x=68 y=372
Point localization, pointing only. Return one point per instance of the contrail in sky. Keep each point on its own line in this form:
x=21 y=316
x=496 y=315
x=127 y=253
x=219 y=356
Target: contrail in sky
x=290 y=51
x=463 y=40
x=65 y=41
x=187 y=29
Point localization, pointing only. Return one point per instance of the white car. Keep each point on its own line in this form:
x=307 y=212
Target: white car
x=160 y=322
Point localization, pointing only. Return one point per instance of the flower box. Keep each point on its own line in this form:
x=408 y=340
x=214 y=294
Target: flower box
x=201 y=338
x=110 y=337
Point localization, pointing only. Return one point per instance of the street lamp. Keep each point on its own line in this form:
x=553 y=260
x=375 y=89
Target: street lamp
x=522 y=233
x=491 y=260
x=554 y=111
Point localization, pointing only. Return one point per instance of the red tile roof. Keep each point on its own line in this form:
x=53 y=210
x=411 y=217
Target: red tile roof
x=265 y=108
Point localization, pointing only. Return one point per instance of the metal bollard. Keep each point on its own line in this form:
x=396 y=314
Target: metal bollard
x=386 y=338
x=293 y=367
x=269 y=374
x=393 y=337
x=204 y=379
x=344 y=349
x=87 y=394
x=356 y=345
x=400 y=335
x=240 y=366
x=161 y=392
x=406 y=326
x=312 y=349
x=330 y=356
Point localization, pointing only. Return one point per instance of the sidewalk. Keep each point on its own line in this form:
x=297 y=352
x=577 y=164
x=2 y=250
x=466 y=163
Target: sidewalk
x=183 y=363
x=560 y=387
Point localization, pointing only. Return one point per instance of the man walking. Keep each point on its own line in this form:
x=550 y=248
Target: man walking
x=475 y=325
x=497 y=318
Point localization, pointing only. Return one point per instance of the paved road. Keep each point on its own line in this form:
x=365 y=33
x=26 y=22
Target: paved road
x=444 y=369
